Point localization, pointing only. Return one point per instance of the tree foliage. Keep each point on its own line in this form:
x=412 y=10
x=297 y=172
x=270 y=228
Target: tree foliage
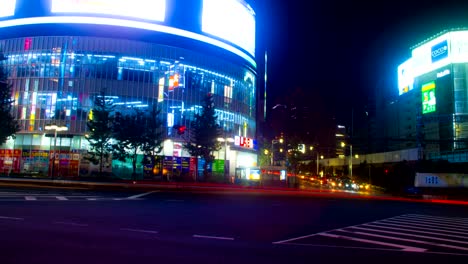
x=204 y=132
x=8 y=125
x=100 y=124
x=294 y=155
x=137 y=132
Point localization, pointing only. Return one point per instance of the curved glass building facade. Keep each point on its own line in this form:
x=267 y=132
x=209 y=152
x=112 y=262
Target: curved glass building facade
x=55 y=78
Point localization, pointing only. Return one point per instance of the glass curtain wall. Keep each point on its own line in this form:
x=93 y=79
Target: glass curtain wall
x=55 y=80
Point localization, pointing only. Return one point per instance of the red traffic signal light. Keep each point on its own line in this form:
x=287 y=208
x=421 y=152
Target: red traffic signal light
x=180 y=129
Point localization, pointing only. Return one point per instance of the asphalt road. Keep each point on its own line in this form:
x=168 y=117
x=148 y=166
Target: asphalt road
x=83 y=226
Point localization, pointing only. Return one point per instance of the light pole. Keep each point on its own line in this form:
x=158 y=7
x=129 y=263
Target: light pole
x=273 y=142
x=226 y=167
x=351 y=161
x=56 y=129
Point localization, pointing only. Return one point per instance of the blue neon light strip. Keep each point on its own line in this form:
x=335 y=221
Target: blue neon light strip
x=125 y=23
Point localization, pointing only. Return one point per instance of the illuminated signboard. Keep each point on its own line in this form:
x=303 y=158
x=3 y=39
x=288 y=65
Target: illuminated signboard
x=405 y=77
x=232 y=20
x=432 y=55
x=244 y=142
x=7 y=8
x=144 y=9
x=439 y=51
x=428 y=98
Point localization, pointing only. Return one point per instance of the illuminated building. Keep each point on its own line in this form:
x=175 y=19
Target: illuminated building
x=63 y=53
x=432 y=107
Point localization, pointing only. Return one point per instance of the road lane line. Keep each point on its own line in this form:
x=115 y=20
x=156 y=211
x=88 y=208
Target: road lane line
x=141 y=195
x=139 y=230
x=414 y=231
x=214 y=237
x=413 y=235
x=423 y=228
x=404 y=239
x=438 y=219
x=61 y=198
x=70 y=223
x=30 y=198
x=11 y=218
x=404 y=248
x=433 y=222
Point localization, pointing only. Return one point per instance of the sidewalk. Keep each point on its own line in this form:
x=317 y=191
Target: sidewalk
x=218 y=187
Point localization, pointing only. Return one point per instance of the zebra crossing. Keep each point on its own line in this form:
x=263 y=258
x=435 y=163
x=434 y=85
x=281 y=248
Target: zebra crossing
x=408 y=232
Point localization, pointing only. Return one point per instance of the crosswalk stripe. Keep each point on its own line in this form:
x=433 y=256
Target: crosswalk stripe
x=61 y=198
x=414 y=231
x=419 y=224
x=439 y=222
x=30 y=198
x=404 y=239
x=413 y=235
x=442 y=219
x=416 y=227
x=462 y=219
x=403 y=247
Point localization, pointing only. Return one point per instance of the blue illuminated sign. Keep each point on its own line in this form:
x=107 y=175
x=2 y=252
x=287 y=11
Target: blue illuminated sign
x=439 y=51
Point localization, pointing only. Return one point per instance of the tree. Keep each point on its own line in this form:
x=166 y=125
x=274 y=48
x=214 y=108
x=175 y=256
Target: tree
x=294 y=155
x=129 y=135
x=100 y=130
x=264 y=158
x=8 y=125
x=203 y=134
x=153 y=135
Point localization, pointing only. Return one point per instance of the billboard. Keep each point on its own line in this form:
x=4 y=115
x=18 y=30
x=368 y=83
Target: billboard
x=405 y=77
x=439 y=51
x=234 y=33
x=154 y=10
x=232 y=20
x=7 y=8
x=428 y=98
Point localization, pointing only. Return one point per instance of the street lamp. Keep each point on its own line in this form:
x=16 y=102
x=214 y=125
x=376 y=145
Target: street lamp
x=56 y=129
x=273 y=142
x=226 y=167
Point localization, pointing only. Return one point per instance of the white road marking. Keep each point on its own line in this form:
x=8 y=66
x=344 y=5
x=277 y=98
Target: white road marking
x=457 y=221
x=214 y=237
x=61 y=198
x=461 y=219
x=433 y=222
x=407 y=234
x=141 y=195
x=295 y=238
x=404 y=248
x=423 y=228
x=409 y=223
x=139 y=230
x=403 y=239
x=378 y=249
x=70 y=223
x=412 y=230
x=30 y=198
x=11 y=218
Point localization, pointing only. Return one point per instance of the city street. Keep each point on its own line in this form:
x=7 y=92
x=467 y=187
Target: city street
x=160 y=226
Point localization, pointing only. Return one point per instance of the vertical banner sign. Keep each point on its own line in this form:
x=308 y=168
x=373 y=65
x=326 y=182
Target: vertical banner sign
x=428 y=98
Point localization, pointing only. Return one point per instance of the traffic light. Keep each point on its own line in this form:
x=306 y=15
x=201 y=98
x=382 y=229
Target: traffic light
x=180 y=129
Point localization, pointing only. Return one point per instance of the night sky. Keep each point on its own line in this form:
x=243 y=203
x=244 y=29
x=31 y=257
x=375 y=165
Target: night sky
x=336 y=53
